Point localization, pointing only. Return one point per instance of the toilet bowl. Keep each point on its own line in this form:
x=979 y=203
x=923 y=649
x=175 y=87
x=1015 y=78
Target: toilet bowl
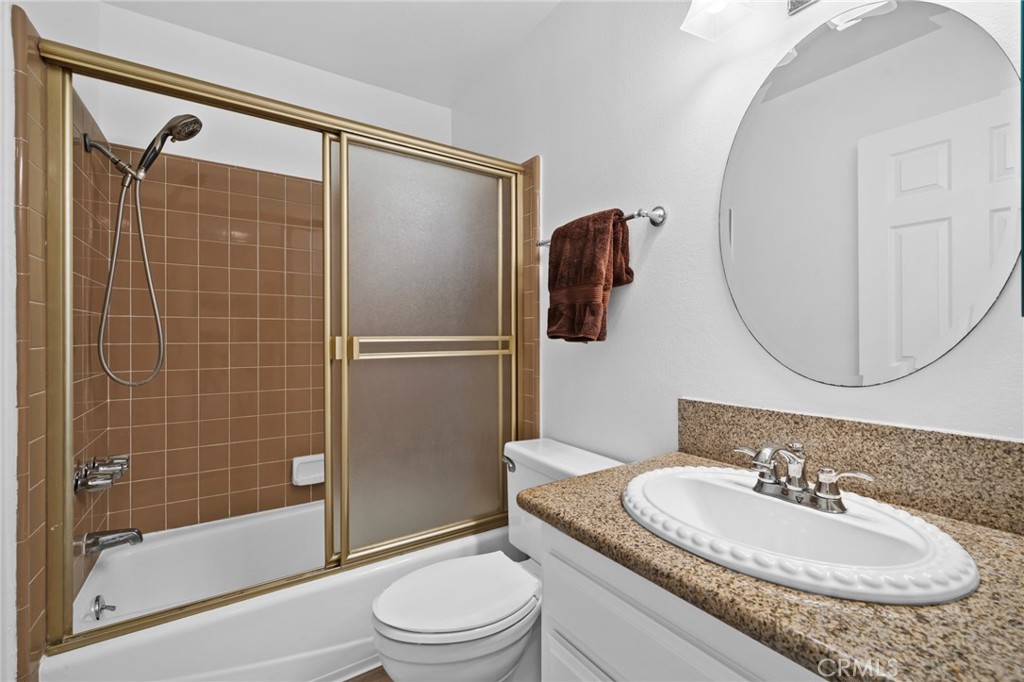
x=477 y=618
x=463 y=620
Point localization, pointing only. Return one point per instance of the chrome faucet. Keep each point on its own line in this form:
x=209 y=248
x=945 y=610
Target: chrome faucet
x=764 y=460
x=793 y=486
x=105 y=539
x=795 y=461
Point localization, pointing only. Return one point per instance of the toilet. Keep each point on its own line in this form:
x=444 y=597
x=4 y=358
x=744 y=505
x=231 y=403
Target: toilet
x=477 y=618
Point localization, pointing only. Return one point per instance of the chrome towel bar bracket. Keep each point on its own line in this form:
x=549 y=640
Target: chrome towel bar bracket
x=656 y=216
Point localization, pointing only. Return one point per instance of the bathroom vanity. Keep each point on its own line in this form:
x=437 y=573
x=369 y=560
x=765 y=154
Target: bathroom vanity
x=604 y=622
x=621 y=603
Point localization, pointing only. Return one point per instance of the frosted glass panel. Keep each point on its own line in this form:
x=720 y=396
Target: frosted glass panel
x=424 y=445
x=423 y=239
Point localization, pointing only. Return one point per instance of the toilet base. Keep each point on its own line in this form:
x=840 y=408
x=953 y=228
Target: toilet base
x=512 y=656
x=528 y=669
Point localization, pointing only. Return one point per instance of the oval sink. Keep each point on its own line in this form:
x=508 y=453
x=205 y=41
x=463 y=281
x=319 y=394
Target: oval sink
x=874 y=552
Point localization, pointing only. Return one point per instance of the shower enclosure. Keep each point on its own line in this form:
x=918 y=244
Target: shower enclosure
x=355 y=296
x=424 y=328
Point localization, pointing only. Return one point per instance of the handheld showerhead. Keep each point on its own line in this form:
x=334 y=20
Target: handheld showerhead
x=179 y=129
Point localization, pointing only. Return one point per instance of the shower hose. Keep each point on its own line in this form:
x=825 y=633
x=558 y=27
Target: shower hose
x=110 y=288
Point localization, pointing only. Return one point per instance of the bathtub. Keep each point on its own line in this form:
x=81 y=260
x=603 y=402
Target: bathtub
x=313 y=632
x=183 y=565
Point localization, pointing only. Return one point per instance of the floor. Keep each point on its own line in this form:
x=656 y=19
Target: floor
x=375 y=675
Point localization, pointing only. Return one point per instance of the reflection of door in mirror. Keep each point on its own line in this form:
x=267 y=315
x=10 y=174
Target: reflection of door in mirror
x=920 y=188
x=870 y=206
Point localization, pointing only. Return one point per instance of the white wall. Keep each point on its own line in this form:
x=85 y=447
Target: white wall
x=626 y=110
x=133 y=117
x=122 y=33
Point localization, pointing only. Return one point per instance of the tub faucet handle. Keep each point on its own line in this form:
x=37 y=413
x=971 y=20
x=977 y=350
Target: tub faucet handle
x=115 y=466
x=91 y=482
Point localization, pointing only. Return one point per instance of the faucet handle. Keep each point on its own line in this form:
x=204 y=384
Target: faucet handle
x=91 y=482
x=114 y=466
x=761 y=463
x=827 y=486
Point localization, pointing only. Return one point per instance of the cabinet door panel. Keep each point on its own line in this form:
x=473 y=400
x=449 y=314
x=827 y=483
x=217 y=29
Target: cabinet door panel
x=563 y=663
x=628 y=628
x=619 y=638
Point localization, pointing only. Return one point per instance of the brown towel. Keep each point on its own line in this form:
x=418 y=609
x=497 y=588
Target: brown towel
x=587 y=257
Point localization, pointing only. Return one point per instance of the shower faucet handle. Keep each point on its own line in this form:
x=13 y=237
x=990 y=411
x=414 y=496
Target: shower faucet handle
x=91 y=482
x=114 y=466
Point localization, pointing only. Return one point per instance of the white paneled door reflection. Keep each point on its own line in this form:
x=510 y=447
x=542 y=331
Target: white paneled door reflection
x=938 y=231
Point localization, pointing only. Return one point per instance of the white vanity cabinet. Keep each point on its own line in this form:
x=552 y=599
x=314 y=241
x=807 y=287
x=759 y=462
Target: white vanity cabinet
x=601 y=621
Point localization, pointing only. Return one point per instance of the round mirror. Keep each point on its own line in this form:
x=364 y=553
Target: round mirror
x=870 y=209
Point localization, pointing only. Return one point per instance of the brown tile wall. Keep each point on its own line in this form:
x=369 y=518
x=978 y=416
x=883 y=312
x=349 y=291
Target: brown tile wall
x=30 y=205
x=529 y=305
x=236 y=261
x=90 y=388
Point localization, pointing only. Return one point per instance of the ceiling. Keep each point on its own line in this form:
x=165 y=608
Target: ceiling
x=429 y=50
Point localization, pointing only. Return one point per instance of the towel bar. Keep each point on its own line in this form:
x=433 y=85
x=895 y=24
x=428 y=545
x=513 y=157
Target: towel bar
x=656 y=216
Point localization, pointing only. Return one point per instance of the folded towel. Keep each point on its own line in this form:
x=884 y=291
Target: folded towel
x=587 y=257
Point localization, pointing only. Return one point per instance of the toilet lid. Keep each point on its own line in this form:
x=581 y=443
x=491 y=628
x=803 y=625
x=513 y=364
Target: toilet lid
x=457 y=594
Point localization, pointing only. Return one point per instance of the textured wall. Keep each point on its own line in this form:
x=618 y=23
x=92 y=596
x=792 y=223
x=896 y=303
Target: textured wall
x=638 y=114
x=102 y=27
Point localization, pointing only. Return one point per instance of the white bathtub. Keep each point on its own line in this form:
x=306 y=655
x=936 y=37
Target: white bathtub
x=317 y=631
x=183 y=565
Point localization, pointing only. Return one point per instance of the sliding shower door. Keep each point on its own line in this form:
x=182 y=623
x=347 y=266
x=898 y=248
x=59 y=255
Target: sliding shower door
x=422 y=332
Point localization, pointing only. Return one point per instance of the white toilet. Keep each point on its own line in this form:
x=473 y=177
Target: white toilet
x=477 y=618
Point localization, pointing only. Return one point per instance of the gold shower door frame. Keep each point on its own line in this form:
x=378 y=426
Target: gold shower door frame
x=63 y=61
x=344 y=349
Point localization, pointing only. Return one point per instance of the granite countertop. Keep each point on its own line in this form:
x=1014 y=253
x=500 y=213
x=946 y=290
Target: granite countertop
x=976 y=638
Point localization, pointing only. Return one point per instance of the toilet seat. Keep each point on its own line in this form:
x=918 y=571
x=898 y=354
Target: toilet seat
x=458 y=600
x=456 y=636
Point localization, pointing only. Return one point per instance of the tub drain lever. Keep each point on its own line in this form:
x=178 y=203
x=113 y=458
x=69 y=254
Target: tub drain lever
x=99 y=605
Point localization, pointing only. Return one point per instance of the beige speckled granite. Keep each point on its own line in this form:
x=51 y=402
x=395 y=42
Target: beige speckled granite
x=977 y=638
x=961 y=477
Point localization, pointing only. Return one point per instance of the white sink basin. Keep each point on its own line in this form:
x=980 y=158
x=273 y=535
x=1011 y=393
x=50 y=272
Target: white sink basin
x=873 y=552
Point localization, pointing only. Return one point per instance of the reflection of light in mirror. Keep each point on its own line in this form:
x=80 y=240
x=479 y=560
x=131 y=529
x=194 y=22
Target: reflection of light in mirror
x=711 y=19
x=788 y=57
x=843 y=21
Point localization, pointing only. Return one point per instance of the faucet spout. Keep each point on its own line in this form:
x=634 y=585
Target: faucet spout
x=105 y=539
x=762 y=461
x=795 y=460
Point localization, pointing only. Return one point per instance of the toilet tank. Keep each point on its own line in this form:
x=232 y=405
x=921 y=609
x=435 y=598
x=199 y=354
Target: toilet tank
x=536 y=462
